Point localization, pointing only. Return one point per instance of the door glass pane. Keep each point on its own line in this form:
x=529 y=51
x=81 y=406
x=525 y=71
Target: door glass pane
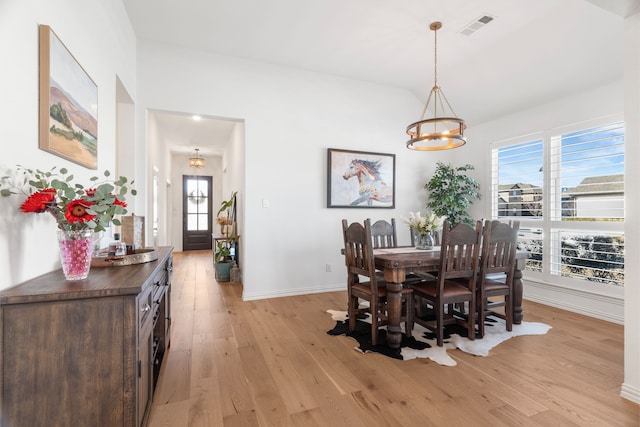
x=202 y=222
x=192 y=222
x=192 y=205
x=203 y=186
x=192 y=186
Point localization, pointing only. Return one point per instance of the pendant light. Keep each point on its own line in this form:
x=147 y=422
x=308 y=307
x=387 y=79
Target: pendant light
x=196 y=161
x=444 y=130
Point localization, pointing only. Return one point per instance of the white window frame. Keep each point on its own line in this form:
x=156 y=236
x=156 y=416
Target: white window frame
x=553 y=226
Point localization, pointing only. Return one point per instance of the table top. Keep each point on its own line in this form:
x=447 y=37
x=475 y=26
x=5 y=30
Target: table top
x=410 y=257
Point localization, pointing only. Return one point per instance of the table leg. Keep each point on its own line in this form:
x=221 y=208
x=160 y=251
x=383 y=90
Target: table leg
x=394 y=310
x=517 y=292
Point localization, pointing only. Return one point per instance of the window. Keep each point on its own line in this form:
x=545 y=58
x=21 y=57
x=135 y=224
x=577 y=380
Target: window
x=566 y=187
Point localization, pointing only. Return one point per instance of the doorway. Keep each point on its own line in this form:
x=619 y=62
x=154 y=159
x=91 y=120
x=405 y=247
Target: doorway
x=197 y=218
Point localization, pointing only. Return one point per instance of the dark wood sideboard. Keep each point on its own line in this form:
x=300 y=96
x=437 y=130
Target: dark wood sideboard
x=85 y=353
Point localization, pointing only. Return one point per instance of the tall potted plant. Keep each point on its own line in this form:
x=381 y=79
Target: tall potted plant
x=451 y=192
x=222 y=255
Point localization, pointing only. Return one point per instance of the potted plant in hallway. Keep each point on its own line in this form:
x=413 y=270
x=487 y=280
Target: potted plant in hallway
x=450 y=193
x=223 y=257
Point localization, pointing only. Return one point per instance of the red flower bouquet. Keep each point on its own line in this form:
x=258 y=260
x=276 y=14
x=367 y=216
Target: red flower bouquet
x=73 y=206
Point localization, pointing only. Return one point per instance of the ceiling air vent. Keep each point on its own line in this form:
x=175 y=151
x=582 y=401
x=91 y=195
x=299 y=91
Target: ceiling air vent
x=476 y=24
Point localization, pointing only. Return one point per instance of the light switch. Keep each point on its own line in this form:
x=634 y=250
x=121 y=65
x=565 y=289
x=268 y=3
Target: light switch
x=265 y=203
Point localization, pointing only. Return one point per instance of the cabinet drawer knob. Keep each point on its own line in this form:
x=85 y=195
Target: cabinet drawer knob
x=146 y=308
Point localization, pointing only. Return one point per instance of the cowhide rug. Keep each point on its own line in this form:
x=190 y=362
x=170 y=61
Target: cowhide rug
x=422 y=343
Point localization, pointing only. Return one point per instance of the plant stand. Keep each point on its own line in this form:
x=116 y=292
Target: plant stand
x=223 y=268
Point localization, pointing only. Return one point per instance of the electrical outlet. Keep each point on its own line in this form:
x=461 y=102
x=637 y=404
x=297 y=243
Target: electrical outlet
x=327 y=268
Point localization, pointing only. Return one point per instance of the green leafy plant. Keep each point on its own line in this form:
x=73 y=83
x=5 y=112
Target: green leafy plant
x=223 y=247
x=223 y=251
x=450 y=192
x=73 y=206
x=226 y=205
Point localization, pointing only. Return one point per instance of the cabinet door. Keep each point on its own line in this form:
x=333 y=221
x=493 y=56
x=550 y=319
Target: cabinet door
x=62 y=363
x=145 y=378
x=144 y=384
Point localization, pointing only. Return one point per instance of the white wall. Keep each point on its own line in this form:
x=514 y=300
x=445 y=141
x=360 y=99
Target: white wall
x=631 y=385
x=99 y=36
x=290 y=119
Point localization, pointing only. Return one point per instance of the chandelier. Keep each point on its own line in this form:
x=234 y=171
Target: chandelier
x=444 y=130
x=196 y=161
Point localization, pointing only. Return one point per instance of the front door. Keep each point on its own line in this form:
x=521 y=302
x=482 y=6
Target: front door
x=197 y=217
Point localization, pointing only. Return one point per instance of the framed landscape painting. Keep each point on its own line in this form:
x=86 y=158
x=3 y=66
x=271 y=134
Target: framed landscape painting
x=359 y=179
x=68 y=104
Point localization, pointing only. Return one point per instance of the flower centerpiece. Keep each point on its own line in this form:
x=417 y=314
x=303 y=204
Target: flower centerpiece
x=423 y=226
x=78 y=211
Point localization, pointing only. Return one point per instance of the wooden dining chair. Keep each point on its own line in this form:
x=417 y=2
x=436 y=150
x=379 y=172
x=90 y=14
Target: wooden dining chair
x=383 y=234
x=358 y=250
x=455 y=284
x=498 y=261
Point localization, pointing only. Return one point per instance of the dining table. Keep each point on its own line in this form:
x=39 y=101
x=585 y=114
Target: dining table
x=397 y=262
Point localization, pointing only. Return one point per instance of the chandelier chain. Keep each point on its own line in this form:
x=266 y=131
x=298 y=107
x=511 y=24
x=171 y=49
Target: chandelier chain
x=435 y=59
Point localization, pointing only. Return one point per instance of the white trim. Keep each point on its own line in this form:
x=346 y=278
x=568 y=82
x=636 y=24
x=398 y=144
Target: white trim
x=602 y=307
x=292 y=292
x=629 y=392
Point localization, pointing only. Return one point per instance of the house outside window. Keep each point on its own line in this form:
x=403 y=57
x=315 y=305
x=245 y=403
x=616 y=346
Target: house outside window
x=566 y=187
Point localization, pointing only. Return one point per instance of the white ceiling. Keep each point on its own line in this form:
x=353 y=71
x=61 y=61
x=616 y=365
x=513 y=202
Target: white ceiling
x=531 y=52
x=182 y=134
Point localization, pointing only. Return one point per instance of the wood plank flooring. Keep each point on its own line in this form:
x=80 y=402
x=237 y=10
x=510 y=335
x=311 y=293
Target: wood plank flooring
x=271 y=363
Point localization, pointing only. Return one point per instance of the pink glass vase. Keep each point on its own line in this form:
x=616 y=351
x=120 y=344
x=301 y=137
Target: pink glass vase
x=76 y=249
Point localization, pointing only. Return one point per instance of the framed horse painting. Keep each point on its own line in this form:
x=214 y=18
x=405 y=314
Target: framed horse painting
x=359 y=179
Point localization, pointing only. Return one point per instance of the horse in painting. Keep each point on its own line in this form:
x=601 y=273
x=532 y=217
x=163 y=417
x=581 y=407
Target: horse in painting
x=371 y=186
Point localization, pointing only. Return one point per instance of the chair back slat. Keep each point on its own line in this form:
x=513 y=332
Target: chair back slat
x=384 y=234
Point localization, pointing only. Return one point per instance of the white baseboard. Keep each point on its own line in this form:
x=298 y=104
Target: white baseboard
x=292 y=292
x=630 y=393
x=602 y=307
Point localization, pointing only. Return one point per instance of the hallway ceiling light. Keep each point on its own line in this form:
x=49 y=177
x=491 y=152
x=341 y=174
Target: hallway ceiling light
x=444 y=130
x=196 y=161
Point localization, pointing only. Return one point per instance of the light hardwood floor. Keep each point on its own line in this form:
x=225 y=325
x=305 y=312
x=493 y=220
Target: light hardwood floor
x=271 y=363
